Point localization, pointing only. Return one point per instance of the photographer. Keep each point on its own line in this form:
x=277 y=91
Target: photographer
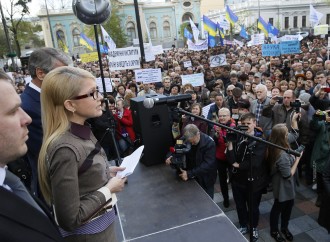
x=200 y=160
x=239 y=155
x=283 y=113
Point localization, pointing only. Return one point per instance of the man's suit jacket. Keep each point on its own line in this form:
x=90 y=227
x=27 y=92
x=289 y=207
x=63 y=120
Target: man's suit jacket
x=31 y=105
x=19 y=221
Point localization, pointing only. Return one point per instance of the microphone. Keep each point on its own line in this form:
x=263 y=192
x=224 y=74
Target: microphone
x=170 y=100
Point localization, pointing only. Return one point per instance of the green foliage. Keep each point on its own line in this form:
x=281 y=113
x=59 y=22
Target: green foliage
x=3 y=47
x=112 y=26
x=182 y=26
x=17 y=10
x=27 y=34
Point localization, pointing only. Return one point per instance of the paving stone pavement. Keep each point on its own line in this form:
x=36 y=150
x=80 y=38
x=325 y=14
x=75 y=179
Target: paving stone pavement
x=303 y=224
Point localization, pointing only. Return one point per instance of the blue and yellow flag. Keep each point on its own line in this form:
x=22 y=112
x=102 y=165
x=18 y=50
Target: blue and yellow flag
x=243 y=33
x=61 y=43
x=85 y=41
x=221 y=31
x=263 y=26
x=230 y=16
x=209 y=26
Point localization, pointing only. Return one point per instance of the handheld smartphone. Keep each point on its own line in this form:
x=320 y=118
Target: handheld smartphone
x=279 y=99
x=326 y=89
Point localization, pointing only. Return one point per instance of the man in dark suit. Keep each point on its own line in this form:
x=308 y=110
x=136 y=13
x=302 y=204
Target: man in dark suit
x=41 y=62
x=21 y=218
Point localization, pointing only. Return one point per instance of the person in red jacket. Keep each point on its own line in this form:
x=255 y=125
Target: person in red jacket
x=124 y=127
x=221 y=147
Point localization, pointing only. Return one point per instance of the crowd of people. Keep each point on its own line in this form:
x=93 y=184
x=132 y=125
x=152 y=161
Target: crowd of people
x=282 y=99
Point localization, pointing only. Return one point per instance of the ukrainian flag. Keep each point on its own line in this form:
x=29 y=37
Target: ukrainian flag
x=61 y=43
x=230 y=16
x=263 y=26
x=85 y=41
x=221 y=32
x=209 y=26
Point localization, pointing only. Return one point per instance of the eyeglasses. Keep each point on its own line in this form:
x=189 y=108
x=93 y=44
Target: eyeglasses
x=94 y=94
x=229 y=90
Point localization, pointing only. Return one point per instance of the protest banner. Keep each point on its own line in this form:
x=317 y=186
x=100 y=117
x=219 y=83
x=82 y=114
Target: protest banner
x=271 y=50
x=321 y=29
x=148 y=75
x=157 y=50
x=195 y=80
x=124 y=58
x=289 y=37
x=197 y=47
x=257 y=39
x=290 y=47
x=218 y=60
x=148 y=54
x=108 y=84
x=89 y=57
x=187 y=64
x=239 y=43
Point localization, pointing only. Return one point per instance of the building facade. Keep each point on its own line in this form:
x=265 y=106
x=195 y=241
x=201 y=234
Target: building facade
x=289 y=16
x=162 y=20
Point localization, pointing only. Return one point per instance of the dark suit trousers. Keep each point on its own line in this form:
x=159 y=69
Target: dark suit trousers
x=223 y=167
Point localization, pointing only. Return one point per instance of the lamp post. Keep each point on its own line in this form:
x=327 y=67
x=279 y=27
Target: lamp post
x=50 y=26
x=138 y=25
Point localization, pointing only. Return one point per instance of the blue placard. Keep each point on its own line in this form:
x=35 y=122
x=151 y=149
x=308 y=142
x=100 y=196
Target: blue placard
x=290 y=47
x=271 y=50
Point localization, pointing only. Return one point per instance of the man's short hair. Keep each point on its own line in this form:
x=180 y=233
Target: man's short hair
x=248 y=116
x=190 y=131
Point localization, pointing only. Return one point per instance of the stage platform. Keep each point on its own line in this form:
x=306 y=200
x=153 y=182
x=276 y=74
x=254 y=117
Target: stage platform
x=156 y=206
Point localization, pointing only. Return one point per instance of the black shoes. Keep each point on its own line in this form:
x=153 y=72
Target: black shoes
x=287 y=234
x=277 y=236
x=226 y=203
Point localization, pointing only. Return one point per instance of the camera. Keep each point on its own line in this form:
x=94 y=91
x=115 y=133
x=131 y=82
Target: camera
x=296 y=105
x=179 y=152
x=279 y=100
x=232 y=136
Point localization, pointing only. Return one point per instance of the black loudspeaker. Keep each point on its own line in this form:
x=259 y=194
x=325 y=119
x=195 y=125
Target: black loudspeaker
x=153 y=127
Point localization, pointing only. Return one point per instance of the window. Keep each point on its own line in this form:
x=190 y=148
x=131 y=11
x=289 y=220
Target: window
x=130 y=28
x=153 y=30
x=295 y=21
x=76 y=37
x=328 y=19
x=186 y=16
x=286 y=22
x=187 y=4
x=303 y=21
x=271 y=21
x=166 y=29
x=60 y=37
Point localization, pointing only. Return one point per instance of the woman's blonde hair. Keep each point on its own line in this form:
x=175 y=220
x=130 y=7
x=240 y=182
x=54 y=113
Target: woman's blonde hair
x=59 y=85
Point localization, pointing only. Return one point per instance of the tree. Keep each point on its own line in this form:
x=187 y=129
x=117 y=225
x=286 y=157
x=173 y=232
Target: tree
x=27 y=34
x=17 y=10
x=112 y=26
x=3 y=48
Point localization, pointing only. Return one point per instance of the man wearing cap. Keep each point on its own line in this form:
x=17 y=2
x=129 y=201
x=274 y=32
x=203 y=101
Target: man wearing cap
x=257 y=78
x=159 y=88
x=233 y=101
x=258 y=105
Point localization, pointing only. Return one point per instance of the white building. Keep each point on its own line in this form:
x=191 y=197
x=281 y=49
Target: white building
x=289 y=16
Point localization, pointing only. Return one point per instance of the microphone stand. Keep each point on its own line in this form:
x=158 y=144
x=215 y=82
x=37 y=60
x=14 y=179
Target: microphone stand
x=249 y=147
x=110 y=117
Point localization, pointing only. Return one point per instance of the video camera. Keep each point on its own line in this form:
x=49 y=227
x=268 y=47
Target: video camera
x=296 y=105
x=232 y=136
x=179 y=152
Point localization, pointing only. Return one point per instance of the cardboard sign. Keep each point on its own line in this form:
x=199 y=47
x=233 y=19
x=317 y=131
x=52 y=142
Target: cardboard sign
x=290 y=47
x=148 y=75
x=187 y=64
x=195 y=80
x=124 y=59
x=108 y=85
x=271 y=50
x=218 y=60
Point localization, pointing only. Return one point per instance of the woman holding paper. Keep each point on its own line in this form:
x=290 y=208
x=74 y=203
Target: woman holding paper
x=74 y=175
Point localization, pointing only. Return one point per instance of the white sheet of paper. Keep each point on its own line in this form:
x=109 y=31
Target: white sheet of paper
x=130 y=162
